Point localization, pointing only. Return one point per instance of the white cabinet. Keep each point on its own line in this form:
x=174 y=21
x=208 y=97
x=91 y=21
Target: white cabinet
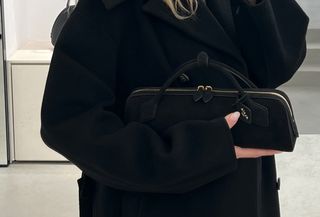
x=27 y=79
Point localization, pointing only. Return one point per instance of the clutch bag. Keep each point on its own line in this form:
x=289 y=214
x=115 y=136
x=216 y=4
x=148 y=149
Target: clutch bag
x=266 y=120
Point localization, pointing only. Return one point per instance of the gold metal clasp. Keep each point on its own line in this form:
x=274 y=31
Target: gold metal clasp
x=200 y=87
x=208 y=87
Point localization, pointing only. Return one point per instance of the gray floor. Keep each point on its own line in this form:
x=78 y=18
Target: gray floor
x=39 y=190
x=50 y=189
x=299 y=172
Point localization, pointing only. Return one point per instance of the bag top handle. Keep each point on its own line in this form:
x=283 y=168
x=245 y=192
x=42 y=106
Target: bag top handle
x=203 y=60
x=150 y=107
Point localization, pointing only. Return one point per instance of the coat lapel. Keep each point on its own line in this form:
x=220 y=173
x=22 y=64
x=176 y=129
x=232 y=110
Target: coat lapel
x=223 y=13
x=205 y=27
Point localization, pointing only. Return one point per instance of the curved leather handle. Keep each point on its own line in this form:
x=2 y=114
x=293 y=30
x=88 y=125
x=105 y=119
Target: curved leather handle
x=149 y=108
x=203 y=60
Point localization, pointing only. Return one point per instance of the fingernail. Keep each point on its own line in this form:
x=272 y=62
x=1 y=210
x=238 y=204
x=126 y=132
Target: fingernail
x=235 y=115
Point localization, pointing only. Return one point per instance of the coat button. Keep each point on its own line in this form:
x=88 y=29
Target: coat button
x=278 y=183
x=183 y=78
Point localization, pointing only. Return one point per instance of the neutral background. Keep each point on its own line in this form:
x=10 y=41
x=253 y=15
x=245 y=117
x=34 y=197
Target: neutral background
x=28 y=22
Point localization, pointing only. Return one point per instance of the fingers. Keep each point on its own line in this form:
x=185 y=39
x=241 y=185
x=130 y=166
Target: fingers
x=254 y=152
x=232 y=118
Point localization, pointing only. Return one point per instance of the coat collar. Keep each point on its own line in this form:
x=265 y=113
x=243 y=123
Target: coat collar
x=206 y=28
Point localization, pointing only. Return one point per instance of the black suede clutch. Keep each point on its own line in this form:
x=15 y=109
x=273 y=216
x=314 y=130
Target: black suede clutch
x=266 y=119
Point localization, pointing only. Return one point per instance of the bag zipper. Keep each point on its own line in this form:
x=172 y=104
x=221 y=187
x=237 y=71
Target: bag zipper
x=206 y=87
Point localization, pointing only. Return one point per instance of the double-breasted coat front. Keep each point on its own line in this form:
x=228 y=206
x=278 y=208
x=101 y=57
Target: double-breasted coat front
x=109 y=47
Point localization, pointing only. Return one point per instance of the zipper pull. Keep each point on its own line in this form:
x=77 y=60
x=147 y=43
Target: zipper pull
x=199 y=93
x=207 y=95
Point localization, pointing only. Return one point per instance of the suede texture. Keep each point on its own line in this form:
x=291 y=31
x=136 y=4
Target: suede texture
x=278 y=133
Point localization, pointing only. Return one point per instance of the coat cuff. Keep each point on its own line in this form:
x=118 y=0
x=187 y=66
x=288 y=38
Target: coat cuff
x=220 y=156
x=230 y=151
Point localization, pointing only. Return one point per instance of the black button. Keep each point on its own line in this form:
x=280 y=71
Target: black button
x=278 y=183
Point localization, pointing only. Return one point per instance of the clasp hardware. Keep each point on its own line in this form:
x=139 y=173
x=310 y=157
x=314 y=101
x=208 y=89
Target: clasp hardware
x=243 y=113
x=204 y=92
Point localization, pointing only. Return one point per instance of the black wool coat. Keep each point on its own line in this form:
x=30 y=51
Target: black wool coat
x=109 y=47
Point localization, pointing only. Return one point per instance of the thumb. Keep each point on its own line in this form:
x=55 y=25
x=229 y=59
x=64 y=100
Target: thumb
x=232 y=118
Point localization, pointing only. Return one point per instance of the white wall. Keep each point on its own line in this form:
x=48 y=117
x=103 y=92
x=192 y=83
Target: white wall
x=29 y=20
x=32 y=19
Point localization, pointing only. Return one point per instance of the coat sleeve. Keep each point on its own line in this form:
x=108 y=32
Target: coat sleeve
x=272 y=38
x=79 y=121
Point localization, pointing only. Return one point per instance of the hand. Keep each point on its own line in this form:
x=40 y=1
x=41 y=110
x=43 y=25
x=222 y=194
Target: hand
x=232 y=119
